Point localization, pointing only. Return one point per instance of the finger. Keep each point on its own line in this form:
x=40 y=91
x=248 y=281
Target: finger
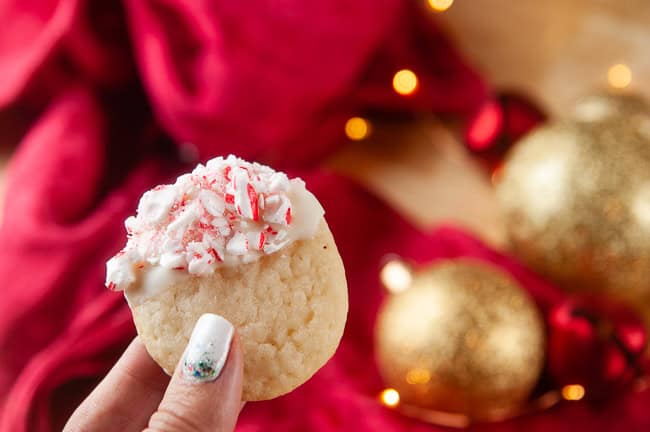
x=125 y=398
x=205 y=390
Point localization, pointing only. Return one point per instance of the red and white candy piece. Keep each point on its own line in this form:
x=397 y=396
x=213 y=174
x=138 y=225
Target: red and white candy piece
x=226 y=212
x=245 y=197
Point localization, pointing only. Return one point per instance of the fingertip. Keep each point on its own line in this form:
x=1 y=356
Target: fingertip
x=205 y=391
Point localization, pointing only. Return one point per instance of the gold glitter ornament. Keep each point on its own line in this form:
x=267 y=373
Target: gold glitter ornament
x=576 y=199
x=610 y=107
x=463 y=338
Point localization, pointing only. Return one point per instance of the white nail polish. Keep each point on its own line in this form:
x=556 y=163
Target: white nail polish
x=207 y=349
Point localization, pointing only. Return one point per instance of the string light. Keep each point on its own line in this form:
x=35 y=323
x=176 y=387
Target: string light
x=405 y=82
x=357 y=128
x=573 y=392
x=619 y=76
x=395 y=276
x=440 y=5
x=389 y=397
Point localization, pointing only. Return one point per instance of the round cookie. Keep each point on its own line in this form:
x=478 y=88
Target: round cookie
x=243 y=241
x=289 y=309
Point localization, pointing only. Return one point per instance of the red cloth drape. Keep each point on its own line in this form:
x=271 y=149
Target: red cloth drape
x=116 y=89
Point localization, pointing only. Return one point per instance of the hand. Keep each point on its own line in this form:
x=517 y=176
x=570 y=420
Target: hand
x=204 y=394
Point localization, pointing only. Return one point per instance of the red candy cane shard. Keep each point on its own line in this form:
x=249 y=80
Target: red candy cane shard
x=214 y=253
x=244 y=192
x=227 y=211
x=252 y=198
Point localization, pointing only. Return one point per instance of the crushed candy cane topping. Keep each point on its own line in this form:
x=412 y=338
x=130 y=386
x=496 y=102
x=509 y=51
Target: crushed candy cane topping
x=226 y=212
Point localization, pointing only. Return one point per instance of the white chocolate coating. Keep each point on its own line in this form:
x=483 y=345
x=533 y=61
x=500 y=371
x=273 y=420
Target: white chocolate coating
x=227 y=212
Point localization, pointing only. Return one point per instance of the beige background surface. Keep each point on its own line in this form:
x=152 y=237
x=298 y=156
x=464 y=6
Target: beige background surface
x=554 y=50
x=424 y=172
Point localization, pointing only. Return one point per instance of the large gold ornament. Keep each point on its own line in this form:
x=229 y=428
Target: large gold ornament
x=576 y=198
x=463 y=338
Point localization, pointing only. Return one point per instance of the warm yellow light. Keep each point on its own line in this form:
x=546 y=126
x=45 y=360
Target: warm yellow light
x=405 y=82
x=418 y=376
x=396 y=276
x=440 y=5
x=619 y=76
x=573 y=392
x=389 y=397
x=357 y=128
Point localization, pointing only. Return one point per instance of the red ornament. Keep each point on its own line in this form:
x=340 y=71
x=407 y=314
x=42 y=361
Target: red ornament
x=597 y=344
x=498 y=124
x=485 y=127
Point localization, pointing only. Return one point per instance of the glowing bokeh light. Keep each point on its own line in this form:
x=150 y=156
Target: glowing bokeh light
x=573 y=392
x=389 y=397
x=396 y=276
x=357 y=128
x=619 y=76
x=440 y=5
x=405 y=82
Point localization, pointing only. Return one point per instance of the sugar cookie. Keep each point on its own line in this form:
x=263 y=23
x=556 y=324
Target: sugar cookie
x=242 y=241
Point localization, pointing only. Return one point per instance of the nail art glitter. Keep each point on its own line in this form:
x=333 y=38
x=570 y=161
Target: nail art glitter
x=208 y=348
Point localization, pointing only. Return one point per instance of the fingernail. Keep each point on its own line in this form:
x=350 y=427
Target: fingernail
x=207 y=349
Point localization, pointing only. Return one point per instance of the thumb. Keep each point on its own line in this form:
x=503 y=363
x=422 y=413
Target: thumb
x=205 y=391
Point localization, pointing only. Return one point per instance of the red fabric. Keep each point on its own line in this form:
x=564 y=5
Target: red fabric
x=272 y=77
x=114 y=86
